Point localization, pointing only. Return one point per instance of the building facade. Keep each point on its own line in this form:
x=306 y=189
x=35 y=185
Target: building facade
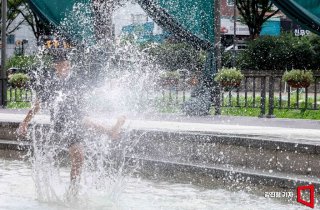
x=21 y=40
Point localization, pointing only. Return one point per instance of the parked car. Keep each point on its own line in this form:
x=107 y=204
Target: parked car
x=13 y=70
x=239 y=47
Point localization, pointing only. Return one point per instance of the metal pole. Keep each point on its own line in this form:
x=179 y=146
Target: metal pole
x=263 y=97
x=217 y=32
x=22 y=50
x=3 y=85
x=271 y=97
x=234 y=60
x=217 y=50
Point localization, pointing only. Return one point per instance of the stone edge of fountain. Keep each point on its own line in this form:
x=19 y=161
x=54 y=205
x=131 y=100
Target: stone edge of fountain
x=263 y=161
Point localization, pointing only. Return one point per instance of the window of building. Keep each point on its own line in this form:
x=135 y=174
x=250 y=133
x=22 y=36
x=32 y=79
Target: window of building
x=230 y=2
x=11 y=39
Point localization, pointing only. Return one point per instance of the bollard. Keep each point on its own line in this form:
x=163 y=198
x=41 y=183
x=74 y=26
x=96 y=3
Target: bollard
x=263 y=97
x=271 y=98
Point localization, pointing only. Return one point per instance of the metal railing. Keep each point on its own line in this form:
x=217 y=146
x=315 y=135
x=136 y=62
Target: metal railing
x=250 y=94
x=174 y=95
x=269 y=92
x=18 y=95
x=264 y=92
x=15 y=95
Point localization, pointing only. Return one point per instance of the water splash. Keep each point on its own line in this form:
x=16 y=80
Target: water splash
x=106 y=79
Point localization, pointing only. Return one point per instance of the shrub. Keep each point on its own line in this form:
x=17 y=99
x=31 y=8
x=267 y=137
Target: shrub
x=267 y=53
x=19 y=80
x=27 y=63
x=315 y=43
x=281 y=53
x=298 y=78
x=226 y=59
x=229 y=77
x=302 y=54
x=177 y=56
x=24 y=63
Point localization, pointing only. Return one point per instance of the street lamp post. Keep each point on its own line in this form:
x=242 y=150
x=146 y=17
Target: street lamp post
x=234 y=60
x=217 y=32
x=217 y=52
x=3 y=86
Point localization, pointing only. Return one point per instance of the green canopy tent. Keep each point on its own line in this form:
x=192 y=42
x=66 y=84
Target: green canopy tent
x=190 y=20
x=304 y=12
x=52 y=11
x=73 y=18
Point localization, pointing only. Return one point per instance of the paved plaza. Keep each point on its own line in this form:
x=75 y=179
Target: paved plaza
x=288 y=130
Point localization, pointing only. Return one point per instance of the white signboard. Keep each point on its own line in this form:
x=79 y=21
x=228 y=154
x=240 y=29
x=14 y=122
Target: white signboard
x=301 y=32
x=227 y=27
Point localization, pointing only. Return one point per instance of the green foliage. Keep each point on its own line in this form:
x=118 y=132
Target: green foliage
x=18 y=80
x=177 y=56
x=226 y=59
x=302 y=54
x=231 y=75
x=298 y=76
x=315 y=47
x=281 y=53
x=279 y=113
x=18 y=105
x=284 y=112
x=267 y=53
x=25 y=63
x=297 y=114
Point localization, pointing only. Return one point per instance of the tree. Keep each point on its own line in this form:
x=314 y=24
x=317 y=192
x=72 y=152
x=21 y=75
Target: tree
x=255 y=13
x=37 y=25
x=13 y=22
x=281 y=53
x=268 y=53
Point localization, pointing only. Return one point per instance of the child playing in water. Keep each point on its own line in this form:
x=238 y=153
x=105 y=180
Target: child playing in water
x=69 y=122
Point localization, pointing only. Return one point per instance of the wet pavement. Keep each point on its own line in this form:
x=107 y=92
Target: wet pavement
x=306 y=131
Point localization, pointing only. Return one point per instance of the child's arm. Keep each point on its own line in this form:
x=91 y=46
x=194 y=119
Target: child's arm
x=23 y=127
x=113 y=131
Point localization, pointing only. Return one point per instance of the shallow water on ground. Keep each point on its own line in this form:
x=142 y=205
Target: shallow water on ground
x=17 y=192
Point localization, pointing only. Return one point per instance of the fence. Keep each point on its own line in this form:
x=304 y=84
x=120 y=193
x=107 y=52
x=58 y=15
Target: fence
x=269 y=92
x=266 y=92
x=17 y=95
x=14 y=96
